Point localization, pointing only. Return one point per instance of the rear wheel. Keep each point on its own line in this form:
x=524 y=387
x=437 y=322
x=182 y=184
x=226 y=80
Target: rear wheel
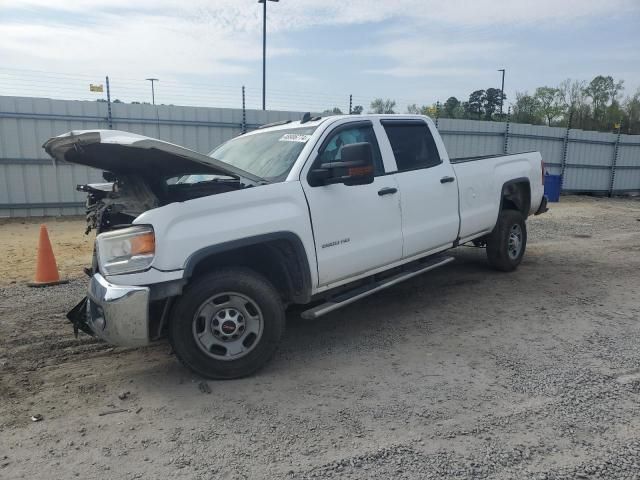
x=227 y=324
x=507 y=242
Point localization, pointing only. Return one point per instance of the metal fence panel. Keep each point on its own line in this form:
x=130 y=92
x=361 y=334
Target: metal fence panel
x=586 y=180
x=629 y=151
x=591 y=148
x=464 y=138
x=627 y=180
x=549 y=141
x=589 y=160
x=31 y=186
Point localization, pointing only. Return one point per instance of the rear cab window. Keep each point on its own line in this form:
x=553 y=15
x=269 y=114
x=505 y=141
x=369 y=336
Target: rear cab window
x=412 y=144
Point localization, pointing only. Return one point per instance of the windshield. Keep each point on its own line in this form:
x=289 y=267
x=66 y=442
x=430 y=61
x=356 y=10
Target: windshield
x=269 y=155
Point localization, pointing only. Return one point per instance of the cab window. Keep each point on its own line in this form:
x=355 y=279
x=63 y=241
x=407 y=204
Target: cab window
x=345 y=135
x=412 y=144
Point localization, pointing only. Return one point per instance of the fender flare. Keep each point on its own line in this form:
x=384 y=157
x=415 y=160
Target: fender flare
x=507 y=184
x=301 y=293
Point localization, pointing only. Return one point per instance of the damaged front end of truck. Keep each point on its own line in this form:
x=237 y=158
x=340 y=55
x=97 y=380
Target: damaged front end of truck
x=140 y=173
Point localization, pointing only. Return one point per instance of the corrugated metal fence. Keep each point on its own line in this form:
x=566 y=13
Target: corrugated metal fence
x=31 y=186
x=590 y=162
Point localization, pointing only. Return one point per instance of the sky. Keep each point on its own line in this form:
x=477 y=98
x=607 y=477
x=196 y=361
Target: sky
x=319 y=51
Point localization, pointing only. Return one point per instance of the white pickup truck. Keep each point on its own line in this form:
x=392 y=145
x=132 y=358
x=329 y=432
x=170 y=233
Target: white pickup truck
x=210 y=250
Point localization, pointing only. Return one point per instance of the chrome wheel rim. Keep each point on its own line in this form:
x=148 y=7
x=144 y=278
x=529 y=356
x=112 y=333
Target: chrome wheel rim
x=514 y=245
x=227 y=326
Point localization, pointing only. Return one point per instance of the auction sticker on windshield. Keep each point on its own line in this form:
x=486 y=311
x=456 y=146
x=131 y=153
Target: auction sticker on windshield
x=294 y=137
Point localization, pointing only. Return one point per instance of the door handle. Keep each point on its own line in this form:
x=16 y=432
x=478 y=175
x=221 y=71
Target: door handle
x=447 y=179
x=387 y=191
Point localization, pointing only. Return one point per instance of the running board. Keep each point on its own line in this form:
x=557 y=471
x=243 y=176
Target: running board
x=349 y=297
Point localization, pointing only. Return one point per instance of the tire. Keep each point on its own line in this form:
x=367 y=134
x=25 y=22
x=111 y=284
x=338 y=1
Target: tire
x=507 y=242
x=201 y=329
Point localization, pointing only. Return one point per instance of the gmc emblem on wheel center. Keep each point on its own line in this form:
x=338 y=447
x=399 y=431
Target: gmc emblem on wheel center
x=228 y=327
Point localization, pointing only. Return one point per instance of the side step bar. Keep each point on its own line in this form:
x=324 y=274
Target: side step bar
x=349 y=297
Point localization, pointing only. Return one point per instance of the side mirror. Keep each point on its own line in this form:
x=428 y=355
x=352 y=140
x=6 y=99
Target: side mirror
x=354 y=168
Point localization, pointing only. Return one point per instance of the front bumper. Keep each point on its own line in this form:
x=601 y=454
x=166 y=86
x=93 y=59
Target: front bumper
x=118 y=314
x=543 y=206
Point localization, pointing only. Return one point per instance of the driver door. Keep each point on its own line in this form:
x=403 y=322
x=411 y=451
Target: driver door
x=356 y=228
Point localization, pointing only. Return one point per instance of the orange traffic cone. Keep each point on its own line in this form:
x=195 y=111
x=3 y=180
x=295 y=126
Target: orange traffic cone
x=46 y=268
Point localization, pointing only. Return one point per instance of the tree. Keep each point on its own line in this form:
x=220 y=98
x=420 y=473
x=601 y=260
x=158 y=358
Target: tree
x=613 y=116
x=550 y=103
x=493 y=98
x=382 y=106
x=357 y=110
x=575 y=102
x=526 y=109
x=333 y=111
x=631 y=121
x=476 y=103
x=416 y=110
x=466 y=110
x=450 y=107
x=458 y=112
x=601 y=90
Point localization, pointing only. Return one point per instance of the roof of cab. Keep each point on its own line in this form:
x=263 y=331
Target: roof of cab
x=318 y=120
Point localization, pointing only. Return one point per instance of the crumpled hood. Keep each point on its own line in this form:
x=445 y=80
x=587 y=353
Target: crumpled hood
x=129 y=153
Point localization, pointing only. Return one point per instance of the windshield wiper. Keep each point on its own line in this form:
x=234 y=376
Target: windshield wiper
x=259 y=180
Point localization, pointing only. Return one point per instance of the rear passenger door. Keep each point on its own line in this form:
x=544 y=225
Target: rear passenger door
x=427 y=185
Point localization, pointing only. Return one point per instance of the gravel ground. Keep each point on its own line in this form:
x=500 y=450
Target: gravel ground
x=460 y=373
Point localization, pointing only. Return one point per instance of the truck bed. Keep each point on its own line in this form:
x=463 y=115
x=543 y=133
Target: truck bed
x=485 y=157
x=480 y=182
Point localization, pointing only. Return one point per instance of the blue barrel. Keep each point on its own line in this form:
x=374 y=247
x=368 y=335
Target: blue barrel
x=552 y=186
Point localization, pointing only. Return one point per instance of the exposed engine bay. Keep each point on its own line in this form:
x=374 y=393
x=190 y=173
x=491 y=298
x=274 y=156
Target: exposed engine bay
x=141 y=173
x=121 y=199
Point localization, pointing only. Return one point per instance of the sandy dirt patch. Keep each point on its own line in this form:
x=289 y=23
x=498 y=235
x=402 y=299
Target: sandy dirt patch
x=19 y=243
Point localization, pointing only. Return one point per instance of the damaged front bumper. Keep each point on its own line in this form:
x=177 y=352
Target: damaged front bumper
x=115 y=313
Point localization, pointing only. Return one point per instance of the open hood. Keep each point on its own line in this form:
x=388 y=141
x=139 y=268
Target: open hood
x=128 y=153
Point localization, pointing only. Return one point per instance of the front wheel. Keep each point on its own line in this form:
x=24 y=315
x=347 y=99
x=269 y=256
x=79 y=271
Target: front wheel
x=227 y=324
x=507 y=242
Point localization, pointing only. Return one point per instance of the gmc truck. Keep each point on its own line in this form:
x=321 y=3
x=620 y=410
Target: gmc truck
x=211 y=250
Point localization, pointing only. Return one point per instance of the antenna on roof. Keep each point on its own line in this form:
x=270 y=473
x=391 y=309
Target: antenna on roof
x=306 y=117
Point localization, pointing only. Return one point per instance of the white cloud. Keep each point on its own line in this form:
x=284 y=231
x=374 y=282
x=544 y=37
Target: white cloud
x=221 y=35
x=245 y=15
x=435 y=57
x=218 y=38
x=129 y=44
x=153 y=37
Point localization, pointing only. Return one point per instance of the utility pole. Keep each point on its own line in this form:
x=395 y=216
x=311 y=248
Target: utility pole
x=264 y=51
x=153 y=93
x=501 y=91
x=109 y=116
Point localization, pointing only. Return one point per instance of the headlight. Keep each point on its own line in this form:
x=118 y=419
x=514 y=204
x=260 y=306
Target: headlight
x=125 y=251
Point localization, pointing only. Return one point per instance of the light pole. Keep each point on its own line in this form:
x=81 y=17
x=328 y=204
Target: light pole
x=264 y=50
x=501 y=91
x=153 y=93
